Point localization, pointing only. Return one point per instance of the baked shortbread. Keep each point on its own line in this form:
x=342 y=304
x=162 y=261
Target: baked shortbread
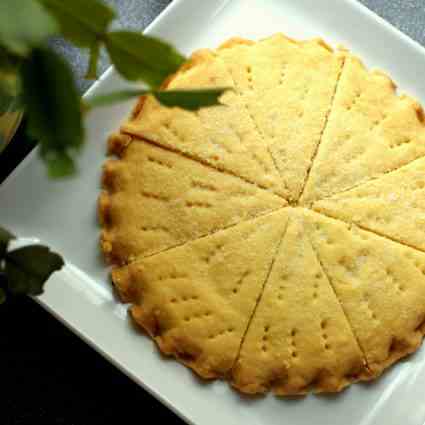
x=276 y=240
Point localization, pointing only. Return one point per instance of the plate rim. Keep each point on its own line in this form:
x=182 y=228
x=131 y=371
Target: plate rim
x=119 y=364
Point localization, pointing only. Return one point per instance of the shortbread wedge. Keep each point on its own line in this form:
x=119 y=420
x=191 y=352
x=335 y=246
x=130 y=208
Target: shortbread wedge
x=380 y=284
x=196 y=300
x=371 y=131
x=299 y=339
x=155 y=199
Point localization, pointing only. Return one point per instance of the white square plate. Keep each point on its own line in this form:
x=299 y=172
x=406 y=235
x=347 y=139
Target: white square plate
x=63 y=215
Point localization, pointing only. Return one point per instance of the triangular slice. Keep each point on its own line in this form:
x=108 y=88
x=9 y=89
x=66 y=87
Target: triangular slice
x=380 y=284
x=196 y=300
x=393 y=205
x=278 y=81
x=157 y=199
x=371 y=131
x=223 y=136
x=299 y=338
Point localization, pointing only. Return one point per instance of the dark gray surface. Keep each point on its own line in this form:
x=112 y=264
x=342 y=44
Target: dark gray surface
x=406 y=15
x=49 y=376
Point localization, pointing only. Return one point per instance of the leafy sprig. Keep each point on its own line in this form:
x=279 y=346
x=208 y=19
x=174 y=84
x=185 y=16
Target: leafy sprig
x=35 y=78
x=47 y=88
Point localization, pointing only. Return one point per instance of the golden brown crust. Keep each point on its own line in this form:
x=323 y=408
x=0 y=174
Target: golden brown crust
x=109 y=175
x=277 y=382
x=105 y=239
x=117 y=142
x=416 y=106
x=384 y=76
x=122 y=280
x=104 y=213
x=181 y=347
x=137 y=110
x=106 y=245
x=235 y=41
x=325 y=45
x=103 y=209
x=399 y=348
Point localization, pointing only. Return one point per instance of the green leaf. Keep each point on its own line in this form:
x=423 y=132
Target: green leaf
x=83 y=22
x=59 y=164
x=27 y=269
x=24 y=25
x=93 y=60
x=187 y=99
x=191 y=100
x=5 y=238
x=139 y=57
x=52 y=104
